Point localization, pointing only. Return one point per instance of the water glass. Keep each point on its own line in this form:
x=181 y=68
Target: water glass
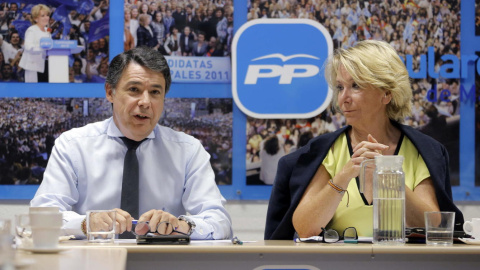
x=23 y=232
x=101 y=226
x=439 y=227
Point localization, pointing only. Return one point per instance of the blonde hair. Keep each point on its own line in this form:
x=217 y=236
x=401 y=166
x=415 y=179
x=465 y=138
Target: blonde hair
x=376 y=64
x=36 y=11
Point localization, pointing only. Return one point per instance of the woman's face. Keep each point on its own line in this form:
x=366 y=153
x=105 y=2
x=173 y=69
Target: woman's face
x=77 y=67
x=158 y=16
x=103 y=69
x=144 y=8
x=42 y=19
x=359 y=106
x=134 y=13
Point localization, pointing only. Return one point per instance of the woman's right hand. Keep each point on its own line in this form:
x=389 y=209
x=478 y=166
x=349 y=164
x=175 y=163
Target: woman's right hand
x=362 y=151
x=369 y=149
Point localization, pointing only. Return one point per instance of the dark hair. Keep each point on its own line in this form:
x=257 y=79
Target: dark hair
x=271 y=145
x=144 y=56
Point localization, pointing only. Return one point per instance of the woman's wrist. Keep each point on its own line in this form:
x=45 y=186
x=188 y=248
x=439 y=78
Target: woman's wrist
x=341 y=181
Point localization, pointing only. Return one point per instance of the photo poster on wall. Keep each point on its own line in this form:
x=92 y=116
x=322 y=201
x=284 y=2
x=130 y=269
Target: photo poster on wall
x=417 y=32
x=31 y=126
x=76 y=37
x=194 y=37
x=477 y=101
x=245 y=181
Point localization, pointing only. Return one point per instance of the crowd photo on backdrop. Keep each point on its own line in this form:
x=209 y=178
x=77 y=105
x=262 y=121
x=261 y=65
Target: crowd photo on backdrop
x=179 y=27
x=32 y=125
x=410 y=27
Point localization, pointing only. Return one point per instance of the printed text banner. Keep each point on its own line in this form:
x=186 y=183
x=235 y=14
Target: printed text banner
x=200 y=69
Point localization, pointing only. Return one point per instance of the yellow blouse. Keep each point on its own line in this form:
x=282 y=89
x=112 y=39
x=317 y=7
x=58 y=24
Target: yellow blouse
x=357 y=214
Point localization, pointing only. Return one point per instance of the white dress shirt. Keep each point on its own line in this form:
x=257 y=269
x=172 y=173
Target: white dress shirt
x=85 y=172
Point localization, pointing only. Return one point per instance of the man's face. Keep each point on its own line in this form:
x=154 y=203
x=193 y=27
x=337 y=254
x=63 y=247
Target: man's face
x=137 y=101
x=212 y=42
x=95 y=45
x=7 y=71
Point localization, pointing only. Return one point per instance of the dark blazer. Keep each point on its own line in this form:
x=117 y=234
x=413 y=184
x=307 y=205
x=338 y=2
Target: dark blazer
x=186 y=47
x=295 y=171
x=144 y=38
x=199 y=51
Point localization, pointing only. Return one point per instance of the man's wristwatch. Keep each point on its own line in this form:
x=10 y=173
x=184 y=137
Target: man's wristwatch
x=83 y=226
x=190 y=223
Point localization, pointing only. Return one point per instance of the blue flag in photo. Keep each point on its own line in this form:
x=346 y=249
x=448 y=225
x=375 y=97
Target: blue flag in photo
x=99 y=28
x=85 y=7
x=28 y=8
x=70 y=4
x=35 y=2
x=21 y=26
x=61 y=15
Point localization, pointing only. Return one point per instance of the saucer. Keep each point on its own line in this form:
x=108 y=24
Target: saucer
x=44 y=250
x=22 y=263
x=470 y=241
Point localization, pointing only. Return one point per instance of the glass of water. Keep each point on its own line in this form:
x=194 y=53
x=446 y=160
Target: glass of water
x=439 y=227
x=101 y=226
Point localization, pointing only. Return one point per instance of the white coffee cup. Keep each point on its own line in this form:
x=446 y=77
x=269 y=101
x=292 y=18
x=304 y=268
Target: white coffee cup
x=46 y=228
x=472 y=228
x=50 y=209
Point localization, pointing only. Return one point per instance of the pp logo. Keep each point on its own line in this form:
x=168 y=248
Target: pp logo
x=277 y=68
x=46 y=43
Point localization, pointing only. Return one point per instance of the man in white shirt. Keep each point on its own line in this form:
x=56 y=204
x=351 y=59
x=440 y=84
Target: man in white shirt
x=85 y=169
x=11 y=51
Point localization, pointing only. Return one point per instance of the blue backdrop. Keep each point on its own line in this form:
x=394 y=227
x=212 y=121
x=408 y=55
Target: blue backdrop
x=466 y=191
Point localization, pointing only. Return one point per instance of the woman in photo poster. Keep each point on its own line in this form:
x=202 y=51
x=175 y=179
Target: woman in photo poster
x=158 y=27
x=34 y=58
x=145 y=35
x=172 y=43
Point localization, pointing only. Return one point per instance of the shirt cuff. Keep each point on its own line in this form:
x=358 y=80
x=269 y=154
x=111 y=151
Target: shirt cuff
x=73 y=227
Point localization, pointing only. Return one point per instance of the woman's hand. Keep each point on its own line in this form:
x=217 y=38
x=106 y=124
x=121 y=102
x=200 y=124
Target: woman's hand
x=369 y=149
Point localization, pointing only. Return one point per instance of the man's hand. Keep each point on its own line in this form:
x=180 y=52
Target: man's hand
x=124 y=221
x=101 y=221
x=163 y=222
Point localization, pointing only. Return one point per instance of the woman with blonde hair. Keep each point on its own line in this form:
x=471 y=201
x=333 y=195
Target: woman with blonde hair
x=316 y=187
x=34 y=59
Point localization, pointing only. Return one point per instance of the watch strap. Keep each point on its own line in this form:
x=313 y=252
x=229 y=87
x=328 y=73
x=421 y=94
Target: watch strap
x=190 y=223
